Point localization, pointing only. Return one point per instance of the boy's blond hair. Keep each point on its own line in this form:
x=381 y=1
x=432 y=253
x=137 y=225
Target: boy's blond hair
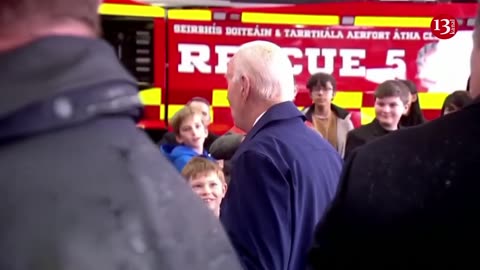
x=183 y=115
x=200 y=166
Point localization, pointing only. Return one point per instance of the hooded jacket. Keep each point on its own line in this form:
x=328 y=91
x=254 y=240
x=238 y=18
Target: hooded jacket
x=180 y=155
x=344 y=124
x=82 y=187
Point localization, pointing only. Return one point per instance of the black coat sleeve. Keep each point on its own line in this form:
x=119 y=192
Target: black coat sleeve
x=353 y=141
x=332 y=235
x=184 y=232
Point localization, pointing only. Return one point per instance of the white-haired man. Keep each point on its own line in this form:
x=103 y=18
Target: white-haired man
x=284 y=174
x=410 y=200
x=81 y=186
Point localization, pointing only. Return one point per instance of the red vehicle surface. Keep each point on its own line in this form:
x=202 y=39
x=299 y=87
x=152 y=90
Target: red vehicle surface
x=361 y=44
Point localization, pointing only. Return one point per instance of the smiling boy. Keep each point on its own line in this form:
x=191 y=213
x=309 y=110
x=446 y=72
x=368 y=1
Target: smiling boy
x=391 y=101
x=207 y=180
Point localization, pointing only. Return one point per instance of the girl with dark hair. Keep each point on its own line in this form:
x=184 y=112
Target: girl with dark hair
x=456 y=101
x=414 y=115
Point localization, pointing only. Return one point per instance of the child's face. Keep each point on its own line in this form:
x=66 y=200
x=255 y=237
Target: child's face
x=210 y=189
x=193 y=132
x=389 y=110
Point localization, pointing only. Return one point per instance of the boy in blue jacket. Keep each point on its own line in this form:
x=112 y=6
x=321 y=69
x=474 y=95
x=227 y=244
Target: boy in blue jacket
x=191 y=133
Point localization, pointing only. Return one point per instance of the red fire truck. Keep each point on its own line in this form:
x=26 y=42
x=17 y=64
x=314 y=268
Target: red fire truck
x=177 y=54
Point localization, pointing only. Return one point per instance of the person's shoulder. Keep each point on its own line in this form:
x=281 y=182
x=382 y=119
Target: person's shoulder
x=297 y=142
x=361 y=128
x=160 y=181
x=181 y=151
x=225 y=146
x=407 y=141
x=358 y=132
x=168 y=138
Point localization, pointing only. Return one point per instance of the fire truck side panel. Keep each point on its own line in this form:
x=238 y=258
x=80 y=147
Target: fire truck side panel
x=361 y=44
x=360 y=54
x=137 y=32
x=160 y=68
x=376 y=9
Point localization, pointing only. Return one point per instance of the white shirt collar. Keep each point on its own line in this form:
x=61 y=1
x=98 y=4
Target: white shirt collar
x=258 y=118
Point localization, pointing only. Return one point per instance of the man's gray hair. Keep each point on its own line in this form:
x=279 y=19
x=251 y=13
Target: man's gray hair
x=268 y=68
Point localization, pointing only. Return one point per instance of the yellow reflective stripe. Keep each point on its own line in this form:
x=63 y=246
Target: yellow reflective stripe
x=219 y=98
x=367 y=115
x=432 y=101
x=291 y=19
x=348 y=99
x=211 y=114
x=172 y=110
x=190 y=14
x=379 y=21
x=132 y=10
x=162 y=112
x=151 y=97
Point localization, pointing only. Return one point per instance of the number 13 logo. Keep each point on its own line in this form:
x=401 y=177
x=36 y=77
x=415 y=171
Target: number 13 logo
x=444 y=26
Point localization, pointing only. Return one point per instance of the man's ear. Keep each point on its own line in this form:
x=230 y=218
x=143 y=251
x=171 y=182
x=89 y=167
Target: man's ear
x=245 y=87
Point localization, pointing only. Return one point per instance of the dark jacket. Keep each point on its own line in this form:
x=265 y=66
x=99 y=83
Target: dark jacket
x=180 y=155
x=224 y=148
x=408 y=201
x=283 y=178
x=363 y=135
x=81 y=186
x=169 y=138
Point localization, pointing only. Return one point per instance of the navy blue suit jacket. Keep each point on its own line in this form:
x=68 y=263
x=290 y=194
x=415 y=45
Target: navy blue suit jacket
x=284 y=175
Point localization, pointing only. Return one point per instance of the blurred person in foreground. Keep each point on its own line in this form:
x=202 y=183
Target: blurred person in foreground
x=410 y=200
x=82 y=187
x=284 y=174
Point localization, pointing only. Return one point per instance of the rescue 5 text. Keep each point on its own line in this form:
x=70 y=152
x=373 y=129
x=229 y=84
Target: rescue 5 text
x=198 y=58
